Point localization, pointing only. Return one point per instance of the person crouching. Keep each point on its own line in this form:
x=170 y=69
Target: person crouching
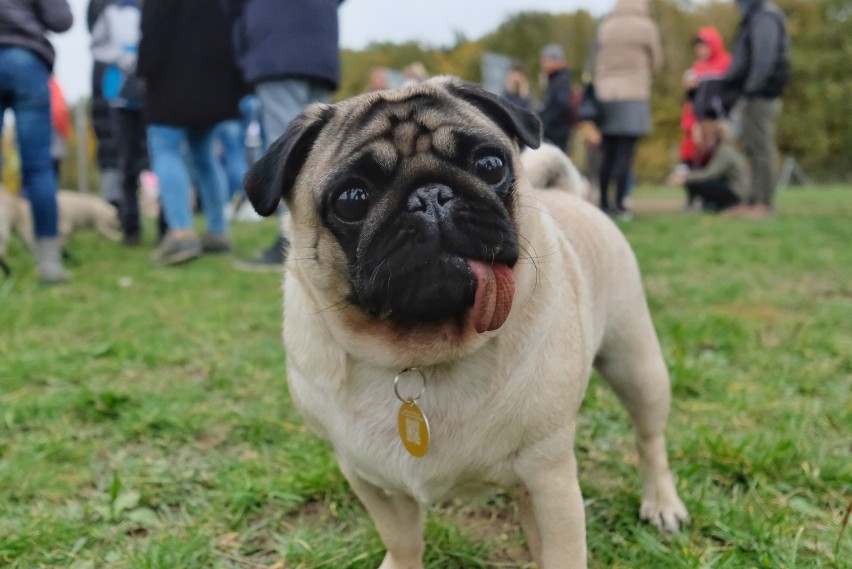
x=720 y=176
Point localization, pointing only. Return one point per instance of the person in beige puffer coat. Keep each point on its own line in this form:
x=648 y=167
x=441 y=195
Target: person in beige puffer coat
x=628 y=55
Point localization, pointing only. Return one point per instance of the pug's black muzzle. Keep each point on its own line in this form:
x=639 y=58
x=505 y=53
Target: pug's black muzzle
x=416 y=268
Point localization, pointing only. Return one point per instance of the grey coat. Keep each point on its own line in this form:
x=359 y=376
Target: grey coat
x=24 y=23
x=625 y=118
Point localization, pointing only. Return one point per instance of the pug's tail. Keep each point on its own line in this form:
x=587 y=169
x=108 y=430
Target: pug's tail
x=548 y=168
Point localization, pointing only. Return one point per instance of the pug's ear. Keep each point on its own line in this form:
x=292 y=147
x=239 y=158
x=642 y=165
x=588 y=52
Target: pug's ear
x=516 y=121
x=273 y=176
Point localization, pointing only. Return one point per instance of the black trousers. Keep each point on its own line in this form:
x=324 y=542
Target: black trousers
x=716 y=194
x=616 y=161
x=133 y=158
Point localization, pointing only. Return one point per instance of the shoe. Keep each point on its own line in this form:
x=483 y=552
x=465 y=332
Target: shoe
x=131 y=240
x=48 y=256
x=759 y=211
x=245 y=212
x=174 y=250
x=269 y=260
x=623 y=214
x=215 y=243
x=736 y=211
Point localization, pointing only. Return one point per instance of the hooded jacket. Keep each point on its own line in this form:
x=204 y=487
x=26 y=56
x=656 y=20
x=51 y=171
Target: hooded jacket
x=715 y=66
x=629 y=53
x=24 y=23
x=761 y=51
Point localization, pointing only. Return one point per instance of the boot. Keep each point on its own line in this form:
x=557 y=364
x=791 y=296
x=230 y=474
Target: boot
x=48 y=256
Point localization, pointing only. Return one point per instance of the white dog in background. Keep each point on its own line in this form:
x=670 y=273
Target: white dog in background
x=76 y=211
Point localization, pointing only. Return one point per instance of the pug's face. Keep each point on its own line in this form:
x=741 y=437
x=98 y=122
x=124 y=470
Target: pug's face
x=403 y=206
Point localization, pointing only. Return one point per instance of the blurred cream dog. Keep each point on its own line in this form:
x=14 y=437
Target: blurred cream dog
x=76 y=211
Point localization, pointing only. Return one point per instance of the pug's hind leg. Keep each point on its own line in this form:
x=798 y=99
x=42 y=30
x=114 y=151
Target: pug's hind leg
x=398 y=519
x=635 y=369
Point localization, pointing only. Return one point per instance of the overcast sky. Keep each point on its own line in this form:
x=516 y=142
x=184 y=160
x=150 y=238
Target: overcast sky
x=434 y=22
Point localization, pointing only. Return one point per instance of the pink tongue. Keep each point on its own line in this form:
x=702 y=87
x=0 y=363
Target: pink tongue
x=495 y=289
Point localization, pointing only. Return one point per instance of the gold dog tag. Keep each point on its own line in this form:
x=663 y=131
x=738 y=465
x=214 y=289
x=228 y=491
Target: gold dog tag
x=413 y=429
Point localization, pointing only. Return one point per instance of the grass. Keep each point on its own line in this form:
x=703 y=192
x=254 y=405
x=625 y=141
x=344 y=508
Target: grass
x=145 y=420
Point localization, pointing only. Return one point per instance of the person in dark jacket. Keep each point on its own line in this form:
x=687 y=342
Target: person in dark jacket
x=556 y=113
x=115 y=41
x=104 y=119
x=191 y=83
x=26 y=60
x=289 y=51
x=760 y=70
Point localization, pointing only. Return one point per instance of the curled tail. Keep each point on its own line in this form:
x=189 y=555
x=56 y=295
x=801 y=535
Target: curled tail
x=549 y=168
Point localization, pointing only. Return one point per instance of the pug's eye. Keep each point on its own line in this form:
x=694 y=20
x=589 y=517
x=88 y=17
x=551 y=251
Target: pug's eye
x=351 y=204
x=490 y=168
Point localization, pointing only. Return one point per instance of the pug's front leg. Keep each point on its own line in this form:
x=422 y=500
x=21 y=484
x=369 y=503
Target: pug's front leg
x=398 y=519
x=553 y=507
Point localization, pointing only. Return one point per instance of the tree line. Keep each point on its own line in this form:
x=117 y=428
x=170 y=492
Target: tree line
x=815 y=126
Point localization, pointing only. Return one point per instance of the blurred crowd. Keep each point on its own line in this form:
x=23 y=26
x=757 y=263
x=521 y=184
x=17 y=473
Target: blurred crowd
x=196 y=100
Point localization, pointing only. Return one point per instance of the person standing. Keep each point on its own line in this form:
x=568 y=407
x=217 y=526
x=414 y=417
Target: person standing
x=104 y=120
x=760 y=70
x=555 y=115
x=629 y=55
x=191 y=84
x=517 y=88
x=115 y=42
x=290 y=52
x=26 y=60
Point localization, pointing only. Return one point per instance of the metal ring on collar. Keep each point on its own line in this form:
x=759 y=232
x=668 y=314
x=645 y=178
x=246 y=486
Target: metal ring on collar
x=396 y=385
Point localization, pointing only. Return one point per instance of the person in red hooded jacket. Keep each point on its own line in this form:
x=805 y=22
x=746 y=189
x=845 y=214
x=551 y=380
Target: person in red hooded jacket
x=711 y=63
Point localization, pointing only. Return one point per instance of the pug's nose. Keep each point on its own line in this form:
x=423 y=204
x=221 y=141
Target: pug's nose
x=434 y=200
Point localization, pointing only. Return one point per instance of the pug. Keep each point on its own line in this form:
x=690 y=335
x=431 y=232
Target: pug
x=442 y=316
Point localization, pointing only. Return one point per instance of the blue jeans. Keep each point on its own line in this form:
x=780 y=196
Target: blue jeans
x=231 y=135
x=23 y=88
x=164 y=145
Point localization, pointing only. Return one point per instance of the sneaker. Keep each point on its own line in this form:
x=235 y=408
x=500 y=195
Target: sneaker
x=131 y=239
x=269 y=260
x=623 y=214
x=215 y=243
x=174 y=250
x=245 y=212
x=759 y=211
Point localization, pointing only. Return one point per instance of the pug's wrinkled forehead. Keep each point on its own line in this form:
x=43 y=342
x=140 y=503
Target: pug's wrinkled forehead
x=430 y=117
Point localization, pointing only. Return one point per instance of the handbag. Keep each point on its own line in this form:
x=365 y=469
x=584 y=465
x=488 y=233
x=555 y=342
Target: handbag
x=590 y=108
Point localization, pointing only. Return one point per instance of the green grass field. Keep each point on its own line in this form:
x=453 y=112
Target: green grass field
x=145 y=420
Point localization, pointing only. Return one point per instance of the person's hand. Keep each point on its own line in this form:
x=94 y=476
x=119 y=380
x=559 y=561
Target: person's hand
x=590 y=133
x=676 y=179
x=690 y=80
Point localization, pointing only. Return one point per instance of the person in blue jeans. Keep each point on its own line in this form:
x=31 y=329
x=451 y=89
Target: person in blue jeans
x=191 y=84
x=26 y=60
x=289 y=51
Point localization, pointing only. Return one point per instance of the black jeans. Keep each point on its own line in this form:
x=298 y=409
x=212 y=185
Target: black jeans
x=133 y=158
x=716 y=194
x=616 y=161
